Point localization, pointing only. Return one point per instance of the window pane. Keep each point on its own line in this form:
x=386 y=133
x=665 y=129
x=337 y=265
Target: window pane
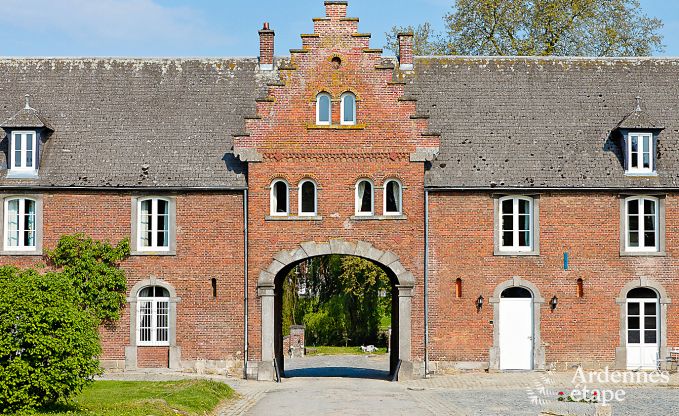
x=507 y=223
x=649 y=207
x=308 y=197
x=281 y=195
x=633 y=222
x=646 y=152
x=633 y=322
x=633 y=207
x=508 y=206
x=633 y=308
x=634 y=239
x=634 y=151
x=366 y=197
x=634 y=337
x=145 y=311
x=324 y=109
x=145 y=218
x=524 y=222
x=162 y=223
x=524 y=239
x=524 y=207
x=392 y=196
x=162 y=314
x=29 y=223
x=508 y=239
x=29 y=150
x=13 y=223
x=649 y=222
x=650 y=337
x=349 y=105
x=649 y=239
x=649 y=322
x=649 y=309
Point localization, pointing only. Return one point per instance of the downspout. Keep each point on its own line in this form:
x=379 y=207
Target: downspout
x=245 y=284
x=426 y=283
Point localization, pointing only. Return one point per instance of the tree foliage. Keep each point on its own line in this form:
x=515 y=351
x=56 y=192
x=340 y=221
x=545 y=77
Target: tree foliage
x=541 y=28
x=343 y=302
x=49 y=339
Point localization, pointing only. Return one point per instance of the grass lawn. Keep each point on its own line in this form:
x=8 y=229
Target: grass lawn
x=140 y=398
x=326 y=350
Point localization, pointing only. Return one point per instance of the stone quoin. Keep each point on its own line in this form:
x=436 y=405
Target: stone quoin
x=524 y=208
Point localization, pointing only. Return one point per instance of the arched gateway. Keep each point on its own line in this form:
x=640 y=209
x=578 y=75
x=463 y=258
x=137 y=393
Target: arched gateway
x=402 y=281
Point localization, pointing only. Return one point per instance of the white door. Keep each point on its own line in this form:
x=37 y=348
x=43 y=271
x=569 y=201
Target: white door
x=642 y=334
x=516 y=333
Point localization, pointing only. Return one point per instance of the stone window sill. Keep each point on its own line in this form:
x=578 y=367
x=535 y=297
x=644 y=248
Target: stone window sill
x=643 y=254
x=378 y=217
x=641 y=174
x=21 y=253
x=335 y=127
x=293 y=218
x=153 y=253
x=516 y=253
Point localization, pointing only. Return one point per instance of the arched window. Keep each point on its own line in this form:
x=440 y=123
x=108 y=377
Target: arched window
x=279 y=198
x=641 y=224
x=323 y=109
x=364 y=198
x=348 y=109
x=516 y=223
x=153 y=316
x=20 y=224
x=393 y=197
x=153 y=227
x=307 y=198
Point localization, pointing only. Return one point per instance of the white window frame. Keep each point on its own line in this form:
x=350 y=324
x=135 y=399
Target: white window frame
x=353 y=119
x=299 y=199
x=22 y=211
x=23 y=151
x=515 y=224
x=154 y=320
x=640 y=169
x=357 y=200
x=318 y=109
x=400 y=198
x=642 y=248
x=272 y=201
x=154 y=232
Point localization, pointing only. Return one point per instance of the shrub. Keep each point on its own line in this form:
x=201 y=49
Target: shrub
x=48 y=344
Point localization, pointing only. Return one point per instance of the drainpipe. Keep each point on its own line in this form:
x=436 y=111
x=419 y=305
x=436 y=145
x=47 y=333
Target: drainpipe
x=426 y=283
x=245 y=285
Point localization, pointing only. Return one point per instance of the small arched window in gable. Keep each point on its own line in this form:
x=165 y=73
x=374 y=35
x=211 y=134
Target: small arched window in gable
x=323 y=109
x=392 y=197
x=307 y=198
x=279 y=198
x=364 y=198
x=348 y=106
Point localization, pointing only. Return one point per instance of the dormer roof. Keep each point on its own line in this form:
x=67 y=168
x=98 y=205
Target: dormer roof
x=639 y=119
x=27 y=117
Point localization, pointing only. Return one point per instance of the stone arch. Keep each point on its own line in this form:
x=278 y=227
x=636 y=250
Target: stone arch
x=538 y=300
x=621 y=300
x=266 y=283
x=174 y=360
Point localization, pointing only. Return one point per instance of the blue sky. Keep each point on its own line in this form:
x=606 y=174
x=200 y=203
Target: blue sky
x=181 y=28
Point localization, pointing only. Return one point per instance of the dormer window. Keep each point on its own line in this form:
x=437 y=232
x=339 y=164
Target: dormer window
x=640 y=153
x=348 y=106
x=323 y=109
x=23 y=154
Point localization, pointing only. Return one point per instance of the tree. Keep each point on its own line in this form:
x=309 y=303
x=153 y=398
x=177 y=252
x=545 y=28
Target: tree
x=424 y=41
x=544 y=27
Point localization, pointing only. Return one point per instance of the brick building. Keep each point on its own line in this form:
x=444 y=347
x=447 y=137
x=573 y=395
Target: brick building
x=525 y=209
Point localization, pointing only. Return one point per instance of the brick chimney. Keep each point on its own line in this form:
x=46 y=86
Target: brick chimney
x=336 y=9
x=266 y=36
x=405 y=50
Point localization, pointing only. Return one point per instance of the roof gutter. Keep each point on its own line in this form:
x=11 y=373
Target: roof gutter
x=125 y=188
x=548 y=188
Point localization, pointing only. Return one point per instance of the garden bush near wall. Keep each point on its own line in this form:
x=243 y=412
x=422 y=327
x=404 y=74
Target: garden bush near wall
x=49 y=320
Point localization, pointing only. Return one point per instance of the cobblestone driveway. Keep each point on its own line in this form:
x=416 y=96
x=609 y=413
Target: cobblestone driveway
x=333 y=386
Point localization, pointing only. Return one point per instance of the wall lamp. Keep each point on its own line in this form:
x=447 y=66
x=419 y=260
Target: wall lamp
x=479 y=303
x=553 y=302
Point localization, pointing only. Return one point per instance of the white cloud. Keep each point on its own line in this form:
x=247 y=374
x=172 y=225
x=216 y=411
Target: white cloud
x=107 y=22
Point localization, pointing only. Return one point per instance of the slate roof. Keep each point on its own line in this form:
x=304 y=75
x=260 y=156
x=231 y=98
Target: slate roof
x=27 y=118
x=137 y=123
x=639 y=119
x=513 y=122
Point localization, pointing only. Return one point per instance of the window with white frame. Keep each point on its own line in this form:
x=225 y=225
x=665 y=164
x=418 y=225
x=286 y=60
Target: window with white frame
x=154 y=224
x=516 y=223
x=323 y=109
x=153 y=316
x=20 y=224
x=365 y=198
x=348 y=109
x=641 y=224
x=280 y=205
x=393 y=197
x=640 y=153
x=23 y=151
x=307 y=198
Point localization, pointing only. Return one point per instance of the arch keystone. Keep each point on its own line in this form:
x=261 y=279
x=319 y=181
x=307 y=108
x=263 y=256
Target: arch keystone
x=342 y=247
